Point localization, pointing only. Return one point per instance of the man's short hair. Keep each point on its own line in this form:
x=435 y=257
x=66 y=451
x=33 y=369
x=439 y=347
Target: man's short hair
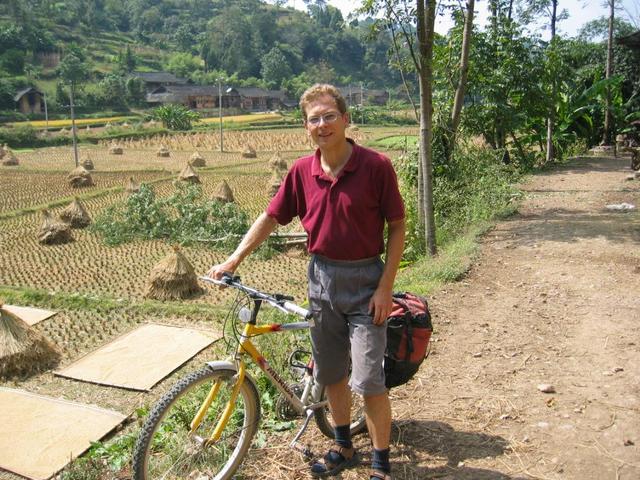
x=318 y=90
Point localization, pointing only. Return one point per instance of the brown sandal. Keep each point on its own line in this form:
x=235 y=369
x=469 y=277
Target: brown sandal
x=378 y=475
x=337 y=459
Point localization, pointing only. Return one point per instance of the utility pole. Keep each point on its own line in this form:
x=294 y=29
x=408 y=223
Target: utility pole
x=73 y=124
x=362 y=101
x=220 y=112
x=46 y=112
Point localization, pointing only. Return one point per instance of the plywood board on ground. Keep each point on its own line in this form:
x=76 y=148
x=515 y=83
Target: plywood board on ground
x=29 y=314
x=141 y=358
x=40 y=435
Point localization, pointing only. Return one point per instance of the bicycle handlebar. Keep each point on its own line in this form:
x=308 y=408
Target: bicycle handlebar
x=278 y=301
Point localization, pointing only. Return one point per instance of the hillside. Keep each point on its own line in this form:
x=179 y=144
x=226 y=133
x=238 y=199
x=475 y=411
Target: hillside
x=248 y=42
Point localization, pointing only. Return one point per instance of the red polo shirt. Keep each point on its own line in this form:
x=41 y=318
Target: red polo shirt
x=343 y=217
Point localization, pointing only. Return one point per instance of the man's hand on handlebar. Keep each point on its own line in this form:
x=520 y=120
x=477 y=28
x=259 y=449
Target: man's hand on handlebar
x=228 y=266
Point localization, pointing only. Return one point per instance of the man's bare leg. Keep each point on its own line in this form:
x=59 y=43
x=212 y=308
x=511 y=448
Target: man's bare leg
x=339 y=397
x=378 y=413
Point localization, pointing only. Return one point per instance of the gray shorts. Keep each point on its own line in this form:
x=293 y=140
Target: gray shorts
x=339 y=294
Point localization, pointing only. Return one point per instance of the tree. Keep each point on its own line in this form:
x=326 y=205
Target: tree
x=229 y=43
x=548 y=8
x=127 y=61
x=12 y=45
x=112 y=91
x=419 y=37
x=72 y=70
x=554 y=87
x=275 y=68
x=183 y=64
x=135 y=91
x=608 y=120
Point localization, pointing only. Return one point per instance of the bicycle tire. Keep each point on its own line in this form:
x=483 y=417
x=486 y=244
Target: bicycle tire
x=322 y=417
x=164 y=448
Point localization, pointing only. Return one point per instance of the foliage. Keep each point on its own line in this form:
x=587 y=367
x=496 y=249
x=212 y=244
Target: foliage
x=175 y=117
x=73 y=69
x=275 y=68
x=86 y=468
x=183 y=64
x=8 y=89
x=185 y=217
x=16 y=137
x=126 y=60
x=117 y=454
x=474 y=188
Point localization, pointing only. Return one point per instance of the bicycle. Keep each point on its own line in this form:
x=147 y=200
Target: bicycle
x=204 y=425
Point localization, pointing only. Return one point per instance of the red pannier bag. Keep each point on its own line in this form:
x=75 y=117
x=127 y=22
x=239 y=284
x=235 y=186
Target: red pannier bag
x=409 y=329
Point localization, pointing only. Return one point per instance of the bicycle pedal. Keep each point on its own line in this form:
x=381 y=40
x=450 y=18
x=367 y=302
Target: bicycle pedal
x=306 y=451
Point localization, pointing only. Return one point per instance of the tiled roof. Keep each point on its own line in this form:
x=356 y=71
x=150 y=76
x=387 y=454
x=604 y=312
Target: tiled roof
x=159 y=77
x=23 y=92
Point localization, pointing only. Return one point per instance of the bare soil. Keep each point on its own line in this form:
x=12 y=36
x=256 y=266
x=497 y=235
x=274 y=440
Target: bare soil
x=552 y=299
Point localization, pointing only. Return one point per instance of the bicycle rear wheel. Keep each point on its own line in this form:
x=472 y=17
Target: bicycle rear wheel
x=325 y=421
x=167 y=450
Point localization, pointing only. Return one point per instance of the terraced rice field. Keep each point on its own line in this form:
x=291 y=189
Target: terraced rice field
x=87 y=265
x=90 y=267
x=98 y=290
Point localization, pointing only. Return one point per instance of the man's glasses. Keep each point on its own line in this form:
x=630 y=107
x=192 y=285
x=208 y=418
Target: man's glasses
x=326 y=118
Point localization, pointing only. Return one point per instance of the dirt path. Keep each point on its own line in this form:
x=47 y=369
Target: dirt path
x=554 y=299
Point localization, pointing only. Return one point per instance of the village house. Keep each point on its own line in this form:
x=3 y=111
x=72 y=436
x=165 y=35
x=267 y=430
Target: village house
x=355 y=94
x=207 y=97
x=195 y=97
x=153 y=80
x=30 y=100
x=256 y=99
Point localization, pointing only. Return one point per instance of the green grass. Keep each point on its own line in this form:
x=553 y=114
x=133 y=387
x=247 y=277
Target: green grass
x=76 y=301
x=395 y=142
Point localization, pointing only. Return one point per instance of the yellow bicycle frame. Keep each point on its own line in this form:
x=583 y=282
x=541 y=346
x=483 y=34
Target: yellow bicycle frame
x=246 y=346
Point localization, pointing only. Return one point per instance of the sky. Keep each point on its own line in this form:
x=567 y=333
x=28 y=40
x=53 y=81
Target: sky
x=580 y=12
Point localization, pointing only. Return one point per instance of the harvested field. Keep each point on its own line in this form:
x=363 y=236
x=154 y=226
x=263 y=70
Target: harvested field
x=98 y=290
x=28 y=189
x=294 y=139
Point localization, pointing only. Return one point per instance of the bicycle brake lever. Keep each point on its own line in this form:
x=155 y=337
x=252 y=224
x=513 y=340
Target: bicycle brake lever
x=280 y=297
x=229 y=278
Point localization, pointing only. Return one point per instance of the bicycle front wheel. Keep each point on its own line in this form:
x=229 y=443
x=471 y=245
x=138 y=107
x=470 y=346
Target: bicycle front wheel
x=167 y=449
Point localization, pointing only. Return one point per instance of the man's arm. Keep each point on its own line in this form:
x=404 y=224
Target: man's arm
x=259 y=231
x=381 y=303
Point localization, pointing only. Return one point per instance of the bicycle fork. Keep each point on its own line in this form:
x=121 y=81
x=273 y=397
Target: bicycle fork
x=226 y=414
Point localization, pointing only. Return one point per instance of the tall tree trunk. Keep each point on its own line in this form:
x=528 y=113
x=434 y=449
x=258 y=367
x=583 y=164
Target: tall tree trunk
x=608 y=119
x=552 y=111
x=464 y=71
x=425 y=14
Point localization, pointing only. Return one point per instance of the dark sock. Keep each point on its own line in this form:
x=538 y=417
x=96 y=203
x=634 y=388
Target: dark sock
x=380 y=460
x=342 y=435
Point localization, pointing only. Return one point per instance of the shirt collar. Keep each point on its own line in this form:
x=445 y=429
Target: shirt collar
x=352 y=163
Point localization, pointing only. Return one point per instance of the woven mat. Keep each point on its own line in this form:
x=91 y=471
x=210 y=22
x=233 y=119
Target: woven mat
x=141 y=358
x=29 y=314
x=40 y=435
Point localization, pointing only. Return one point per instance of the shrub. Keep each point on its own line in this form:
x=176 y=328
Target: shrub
x=474 y=187
x=175 y=117
x=185 y=217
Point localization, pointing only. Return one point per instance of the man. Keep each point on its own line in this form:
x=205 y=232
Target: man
x=344 y=194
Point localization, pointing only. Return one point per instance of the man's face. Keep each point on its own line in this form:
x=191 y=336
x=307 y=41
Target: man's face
x=325 y=124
